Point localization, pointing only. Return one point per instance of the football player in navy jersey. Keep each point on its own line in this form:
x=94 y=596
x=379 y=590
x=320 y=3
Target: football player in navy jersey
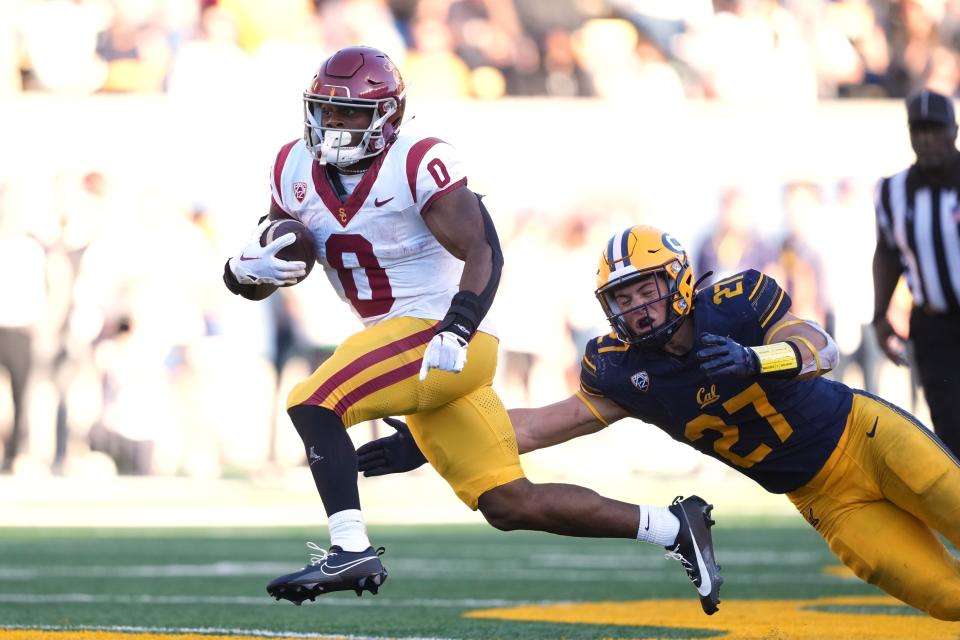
x=730 y=371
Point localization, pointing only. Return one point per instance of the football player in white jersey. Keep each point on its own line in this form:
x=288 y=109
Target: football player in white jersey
x=415 y=253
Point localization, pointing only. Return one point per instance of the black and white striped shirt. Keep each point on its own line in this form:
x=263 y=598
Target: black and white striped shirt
x=922 y=222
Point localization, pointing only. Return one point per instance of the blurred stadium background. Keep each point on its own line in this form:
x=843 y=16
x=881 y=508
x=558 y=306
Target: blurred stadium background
x=136 y=141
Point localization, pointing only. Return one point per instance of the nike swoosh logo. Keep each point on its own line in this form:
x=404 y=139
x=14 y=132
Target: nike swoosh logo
x=873 y=431
x=705 y=583
x=379 y=203
x=244 y=258
x=343 y=567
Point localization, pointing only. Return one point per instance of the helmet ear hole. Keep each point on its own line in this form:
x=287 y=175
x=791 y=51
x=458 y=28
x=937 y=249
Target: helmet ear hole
x=388 y=131
x=387 y=106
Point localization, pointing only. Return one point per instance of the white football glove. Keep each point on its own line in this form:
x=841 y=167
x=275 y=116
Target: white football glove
x=260 y=265
x=447 y=352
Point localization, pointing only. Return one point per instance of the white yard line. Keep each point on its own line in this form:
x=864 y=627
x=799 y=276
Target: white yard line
x=90 y=598
x=563 y=566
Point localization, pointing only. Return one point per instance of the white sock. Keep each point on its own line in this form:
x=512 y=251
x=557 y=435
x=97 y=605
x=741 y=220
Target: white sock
x=348 y=531
x=657 y=525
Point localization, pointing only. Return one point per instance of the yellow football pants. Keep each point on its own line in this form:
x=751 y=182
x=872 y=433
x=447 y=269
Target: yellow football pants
x=878 y=500
x=457 y=419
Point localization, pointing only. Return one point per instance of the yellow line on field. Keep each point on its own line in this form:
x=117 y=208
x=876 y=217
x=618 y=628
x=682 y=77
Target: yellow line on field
x=839 y=571
x=744 y=619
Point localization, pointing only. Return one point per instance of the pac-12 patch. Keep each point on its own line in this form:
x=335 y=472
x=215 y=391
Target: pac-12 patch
x=641 y=380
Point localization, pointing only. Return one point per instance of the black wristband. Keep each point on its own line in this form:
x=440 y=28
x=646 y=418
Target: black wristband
x=463 y=316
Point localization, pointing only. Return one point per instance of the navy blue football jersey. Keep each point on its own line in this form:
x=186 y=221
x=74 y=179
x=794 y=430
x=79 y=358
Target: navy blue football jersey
x=777 y=432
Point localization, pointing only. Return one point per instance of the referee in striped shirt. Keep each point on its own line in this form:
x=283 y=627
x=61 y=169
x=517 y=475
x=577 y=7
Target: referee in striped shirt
x=918 y=235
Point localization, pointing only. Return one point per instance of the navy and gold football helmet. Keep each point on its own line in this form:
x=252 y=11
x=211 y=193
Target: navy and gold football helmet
x=637 y=253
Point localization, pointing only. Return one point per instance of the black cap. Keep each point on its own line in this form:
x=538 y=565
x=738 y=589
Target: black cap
x=928 y=107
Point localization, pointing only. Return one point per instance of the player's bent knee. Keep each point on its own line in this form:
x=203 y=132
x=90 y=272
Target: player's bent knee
x=940 y=599
x=944 y=604
x=861 y=565
x=947 y=608
x=505 y=507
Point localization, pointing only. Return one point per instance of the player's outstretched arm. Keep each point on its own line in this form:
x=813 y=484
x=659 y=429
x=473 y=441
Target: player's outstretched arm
x=397 y=453
x=562 y=421
x=535 y=429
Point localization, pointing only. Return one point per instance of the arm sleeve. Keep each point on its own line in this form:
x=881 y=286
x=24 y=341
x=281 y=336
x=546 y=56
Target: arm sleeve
x=767 y=300
x=468 y=309
x=434 y=168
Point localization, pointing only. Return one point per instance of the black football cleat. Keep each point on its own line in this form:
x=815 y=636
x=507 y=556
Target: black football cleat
x=333 y=570
x=694 y=549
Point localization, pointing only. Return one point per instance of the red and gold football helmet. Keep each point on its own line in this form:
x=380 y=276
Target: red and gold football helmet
x=636 y=253
x=359 y=77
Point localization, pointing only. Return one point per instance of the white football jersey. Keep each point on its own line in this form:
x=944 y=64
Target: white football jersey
x=374 y=245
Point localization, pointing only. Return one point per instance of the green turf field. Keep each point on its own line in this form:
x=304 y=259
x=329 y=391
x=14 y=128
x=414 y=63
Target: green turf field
x=445 y=582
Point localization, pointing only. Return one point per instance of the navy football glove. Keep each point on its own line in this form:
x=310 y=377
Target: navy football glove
x=725 y=358
x=391 y=454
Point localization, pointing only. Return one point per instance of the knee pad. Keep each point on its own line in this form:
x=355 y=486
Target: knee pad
x=861 y=567
x=918 y=475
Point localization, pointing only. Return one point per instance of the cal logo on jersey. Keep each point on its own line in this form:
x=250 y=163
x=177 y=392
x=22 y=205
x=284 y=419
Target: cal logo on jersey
x=641 y=380
x=707 y=396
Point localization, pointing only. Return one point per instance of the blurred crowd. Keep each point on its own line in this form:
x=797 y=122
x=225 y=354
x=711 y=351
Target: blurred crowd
x=136 y=165
x=133 y=358
x=730 y=50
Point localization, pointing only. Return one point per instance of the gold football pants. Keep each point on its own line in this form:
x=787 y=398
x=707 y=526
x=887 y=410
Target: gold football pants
x=457 y=419
x=888 y=486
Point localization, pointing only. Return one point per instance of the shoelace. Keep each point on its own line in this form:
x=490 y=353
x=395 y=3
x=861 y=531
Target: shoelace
x=319 y=554
x=687 y=565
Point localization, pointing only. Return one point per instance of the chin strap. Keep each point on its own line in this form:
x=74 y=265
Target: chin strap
x=467 y=308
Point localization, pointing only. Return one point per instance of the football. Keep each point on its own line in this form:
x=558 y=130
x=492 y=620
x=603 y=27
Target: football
x=302 y=248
